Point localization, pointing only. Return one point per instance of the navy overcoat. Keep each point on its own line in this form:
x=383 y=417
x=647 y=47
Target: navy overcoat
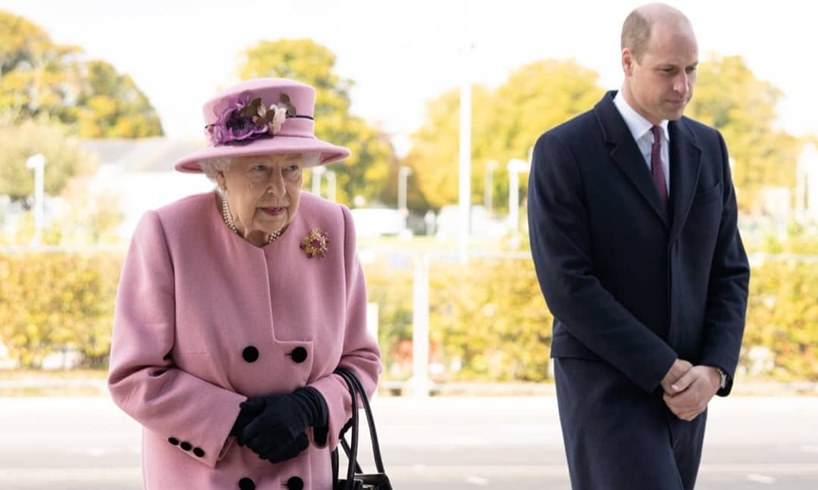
x=633 y=286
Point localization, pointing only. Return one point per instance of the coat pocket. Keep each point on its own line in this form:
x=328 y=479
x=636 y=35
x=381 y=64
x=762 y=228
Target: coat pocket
x=708 y=196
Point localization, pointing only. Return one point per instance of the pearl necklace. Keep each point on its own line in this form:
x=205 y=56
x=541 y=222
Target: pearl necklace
x=228 y=218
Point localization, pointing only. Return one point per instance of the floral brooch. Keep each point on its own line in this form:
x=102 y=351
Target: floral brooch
x=247 y=119
x=315 y=244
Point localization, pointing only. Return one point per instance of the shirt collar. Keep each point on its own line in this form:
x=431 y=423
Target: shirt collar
x=638 y=125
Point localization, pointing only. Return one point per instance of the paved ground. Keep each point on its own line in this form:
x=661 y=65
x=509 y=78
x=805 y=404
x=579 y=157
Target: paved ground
x=451 y=443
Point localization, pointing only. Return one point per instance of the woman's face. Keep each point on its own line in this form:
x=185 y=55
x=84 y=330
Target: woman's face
x=263 y=193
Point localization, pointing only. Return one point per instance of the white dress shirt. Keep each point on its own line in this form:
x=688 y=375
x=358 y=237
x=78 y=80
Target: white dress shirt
x=640 y=129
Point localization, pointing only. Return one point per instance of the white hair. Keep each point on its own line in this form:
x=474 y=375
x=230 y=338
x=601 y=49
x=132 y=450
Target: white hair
x=211 y=167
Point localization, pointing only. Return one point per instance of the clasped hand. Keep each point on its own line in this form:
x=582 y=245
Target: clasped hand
x=273 y=426
x=688 y=388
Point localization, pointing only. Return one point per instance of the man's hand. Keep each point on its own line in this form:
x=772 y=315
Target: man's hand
x=679 y=368
x=689 y=395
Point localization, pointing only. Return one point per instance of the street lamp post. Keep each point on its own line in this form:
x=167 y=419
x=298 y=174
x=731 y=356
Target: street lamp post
x=403 y=174
x=37 y=162
x=464 y=165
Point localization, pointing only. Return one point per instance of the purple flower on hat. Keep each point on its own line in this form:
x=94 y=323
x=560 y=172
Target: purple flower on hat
x=247 y=119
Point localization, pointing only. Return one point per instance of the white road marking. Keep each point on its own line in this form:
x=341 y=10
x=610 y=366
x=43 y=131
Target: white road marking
x=756 y=478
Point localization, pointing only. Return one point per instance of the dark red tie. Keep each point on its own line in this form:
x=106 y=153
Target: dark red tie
x=656 y=164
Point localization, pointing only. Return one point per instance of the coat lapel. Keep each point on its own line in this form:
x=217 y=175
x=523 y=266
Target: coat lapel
x=685 y=165
x=627 y=156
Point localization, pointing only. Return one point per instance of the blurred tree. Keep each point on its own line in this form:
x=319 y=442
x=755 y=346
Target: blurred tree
x=110 y=105
x=36 y=75
x=505 y=124
x=782 y=315
x=365 y=173
x=389 y=285
x=729 y=97
x=53 y=301
x=490 y=321
x=39 y=77
x=63 y=154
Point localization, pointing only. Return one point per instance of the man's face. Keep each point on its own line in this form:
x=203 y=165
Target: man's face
x=660 y=85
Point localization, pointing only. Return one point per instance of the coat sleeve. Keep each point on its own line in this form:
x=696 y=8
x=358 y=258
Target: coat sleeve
x=360 y=352
x=192 y=414
x=728 y=287
x=562 y=251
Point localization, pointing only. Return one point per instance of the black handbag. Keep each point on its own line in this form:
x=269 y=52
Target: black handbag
x=355 y=478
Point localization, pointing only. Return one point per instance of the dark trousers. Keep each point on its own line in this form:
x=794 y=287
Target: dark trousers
x=618 y=437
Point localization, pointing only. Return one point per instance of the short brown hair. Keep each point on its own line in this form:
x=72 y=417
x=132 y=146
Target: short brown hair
x=636 y=32
x=638 y=26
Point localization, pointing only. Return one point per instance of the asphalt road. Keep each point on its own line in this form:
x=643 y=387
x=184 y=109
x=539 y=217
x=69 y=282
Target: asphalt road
x=451 y=443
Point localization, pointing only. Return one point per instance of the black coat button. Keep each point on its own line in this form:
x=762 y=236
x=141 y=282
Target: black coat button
x=173 y=441
x=295 y=483
x=247 y=484
x=186 y=446
x=299 y=354
x=199 y=452
x=250 y=354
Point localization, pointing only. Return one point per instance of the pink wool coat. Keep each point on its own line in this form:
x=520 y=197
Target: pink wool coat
x=204 y=320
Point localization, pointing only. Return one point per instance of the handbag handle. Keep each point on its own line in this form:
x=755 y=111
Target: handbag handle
x=352 y=452
x=357 y=392
x=370 y=419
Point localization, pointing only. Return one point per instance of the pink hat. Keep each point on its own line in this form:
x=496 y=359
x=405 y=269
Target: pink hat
x=260 y=117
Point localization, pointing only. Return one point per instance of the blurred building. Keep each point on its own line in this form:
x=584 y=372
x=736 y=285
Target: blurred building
x=140 y=174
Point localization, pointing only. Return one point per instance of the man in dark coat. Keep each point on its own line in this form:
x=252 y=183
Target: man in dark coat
x=632 y=216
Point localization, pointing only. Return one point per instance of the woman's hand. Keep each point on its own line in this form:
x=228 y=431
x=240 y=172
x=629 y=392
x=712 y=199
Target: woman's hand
x=277 y=431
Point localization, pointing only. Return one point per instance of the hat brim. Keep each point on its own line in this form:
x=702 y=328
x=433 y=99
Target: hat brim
x=268 y=146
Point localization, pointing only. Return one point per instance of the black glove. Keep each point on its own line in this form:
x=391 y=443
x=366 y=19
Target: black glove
x=299 y=444
x=276 y=431
x=245 y=417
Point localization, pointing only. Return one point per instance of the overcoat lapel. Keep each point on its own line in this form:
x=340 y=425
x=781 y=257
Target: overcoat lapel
x=685 y=165
x=625 y=153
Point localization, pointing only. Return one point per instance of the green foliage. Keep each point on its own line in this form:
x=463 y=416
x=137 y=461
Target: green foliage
x=110 y=105
x=364 y=174
x=40 y=78
x=489 y=321
x=505 y=124
x=64 y=158
x=49 y=301
x=389 y=285
x=34 y=72
x=729 y=97
x=783 y=317
x=782 y=314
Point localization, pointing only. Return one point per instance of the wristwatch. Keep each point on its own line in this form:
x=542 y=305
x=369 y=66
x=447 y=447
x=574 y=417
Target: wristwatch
x=723 y=376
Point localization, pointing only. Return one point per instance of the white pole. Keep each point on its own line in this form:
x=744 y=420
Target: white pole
x=316 y=180
x=515 y=167
x=331 y=185
x=37 y=162
x=419 y=383
x=403 y=174
x=465 y=155
x=513 y=201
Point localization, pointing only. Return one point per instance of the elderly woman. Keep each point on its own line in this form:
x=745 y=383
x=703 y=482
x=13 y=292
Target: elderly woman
x=235 y=307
